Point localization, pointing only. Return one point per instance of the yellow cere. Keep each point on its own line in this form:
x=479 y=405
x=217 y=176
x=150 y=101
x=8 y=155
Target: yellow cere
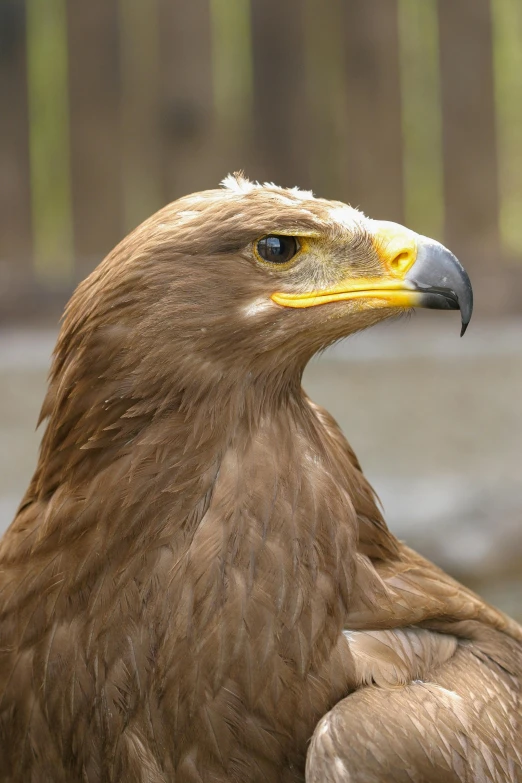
x=396 y=246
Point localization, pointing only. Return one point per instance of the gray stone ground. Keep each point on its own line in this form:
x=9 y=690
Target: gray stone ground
x=436 y=422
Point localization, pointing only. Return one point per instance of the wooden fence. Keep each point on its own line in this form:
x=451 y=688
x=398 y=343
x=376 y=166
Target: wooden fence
x=411 y=109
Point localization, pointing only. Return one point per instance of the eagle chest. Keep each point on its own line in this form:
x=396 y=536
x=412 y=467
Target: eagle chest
x=255 y=645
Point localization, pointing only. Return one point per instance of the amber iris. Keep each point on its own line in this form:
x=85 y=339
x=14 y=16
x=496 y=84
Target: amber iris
x=277 y=249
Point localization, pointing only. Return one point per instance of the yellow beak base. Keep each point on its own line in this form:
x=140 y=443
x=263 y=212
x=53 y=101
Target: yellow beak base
x=392 y=293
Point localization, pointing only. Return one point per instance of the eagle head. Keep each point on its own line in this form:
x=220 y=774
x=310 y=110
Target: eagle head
x=248 y=281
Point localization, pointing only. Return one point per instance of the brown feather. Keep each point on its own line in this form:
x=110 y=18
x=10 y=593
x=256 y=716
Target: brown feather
x=198 y=535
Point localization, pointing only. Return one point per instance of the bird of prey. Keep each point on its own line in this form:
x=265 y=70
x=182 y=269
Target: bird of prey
x=199 y=586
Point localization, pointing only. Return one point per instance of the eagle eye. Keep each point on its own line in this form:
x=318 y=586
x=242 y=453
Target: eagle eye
x=277 y=249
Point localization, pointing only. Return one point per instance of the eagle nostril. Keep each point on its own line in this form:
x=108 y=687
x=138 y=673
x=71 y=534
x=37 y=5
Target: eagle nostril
x=401 y=262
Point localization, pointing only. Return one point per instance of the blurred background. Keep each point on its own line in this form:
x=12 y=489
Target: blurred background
x=409 y=109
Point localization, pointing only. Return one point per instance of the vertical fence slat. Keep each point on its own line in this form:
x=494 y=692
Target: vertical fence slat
x=140 y=125
x=421 y=116
x=95 y=130
x=231 y=67
x=232 y=76
x=470 y=181
x=15 y=194
x=327 y=97
x=281 y=133
x=191 y=150
x=47 y=69
x=507 y=49
x=374 y=173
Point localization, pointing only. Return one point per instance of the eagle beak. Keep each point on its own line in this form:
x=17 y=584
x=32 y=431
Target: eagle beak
x=440 y=281
x=419 y=272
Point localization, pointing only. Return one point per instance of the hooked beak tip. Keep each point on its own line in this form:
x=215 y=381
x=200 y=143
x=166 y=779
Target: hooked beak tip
x=442 y=279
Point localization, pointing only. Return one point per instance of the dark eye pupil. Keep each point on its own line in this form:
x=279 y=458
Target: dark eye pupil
x=277 y=249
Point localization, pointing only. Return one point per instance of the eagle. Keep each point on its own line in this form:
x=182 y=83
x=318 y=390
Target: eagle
x=199 y=585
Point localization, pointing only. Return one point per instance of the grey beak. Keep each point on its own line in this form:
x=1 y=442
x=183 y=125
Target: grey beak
x=442 y=280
